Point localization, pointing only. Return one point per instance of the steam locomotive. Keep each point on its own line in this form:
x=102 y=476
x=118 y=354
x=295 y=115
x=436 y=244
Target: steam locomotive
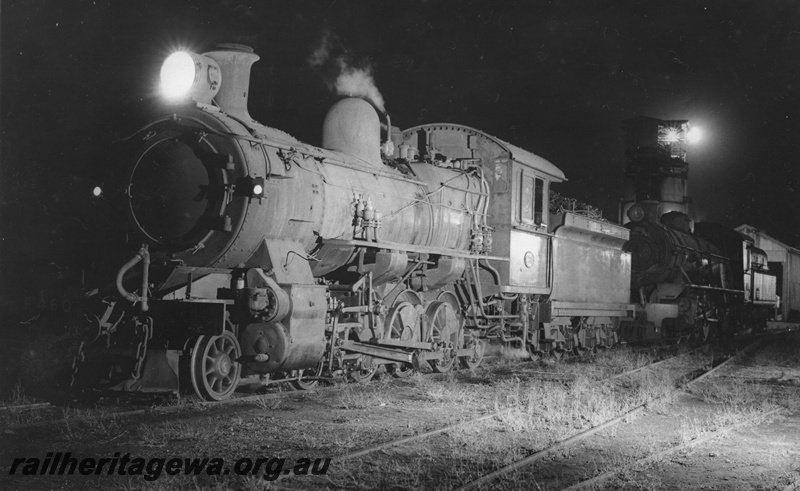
x=695 y=279
x=690 y=280
x=266 y=259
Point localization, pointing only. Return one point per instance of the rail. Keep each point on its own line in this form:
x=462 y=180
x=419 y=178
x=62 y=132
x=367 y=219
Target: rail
x=487 y=478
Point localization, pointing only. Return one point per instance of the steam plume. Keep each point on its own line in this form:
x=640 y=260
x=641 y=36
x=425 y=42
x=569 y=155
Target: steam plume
x=323 y=52
x=345 y=77
x=358 y=82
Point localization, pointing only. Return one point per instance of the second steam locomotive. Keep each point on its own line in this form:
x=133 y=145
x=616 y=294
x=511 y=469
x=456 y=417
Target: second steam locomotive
x=267 y=259
x=689 y=279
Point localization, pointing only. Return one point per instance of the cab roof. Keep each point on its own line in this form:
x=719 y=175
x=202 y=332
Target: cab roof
x=514 y=152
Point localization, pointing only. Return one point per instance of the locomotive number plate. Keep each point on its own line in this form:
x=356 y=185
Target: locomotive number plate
x=529 y=259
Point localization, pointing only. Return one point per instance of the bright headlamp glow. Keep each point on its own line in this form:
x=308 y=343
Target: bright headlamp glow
x=694 y=135
x=258 y=190
x=97 y=192
x=177 y=75
x=671 y=135
x=189 y=76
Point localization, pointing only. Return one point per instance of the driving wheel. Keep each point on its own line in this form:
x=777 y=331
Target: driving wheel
x=402 y=324
x=445 y=332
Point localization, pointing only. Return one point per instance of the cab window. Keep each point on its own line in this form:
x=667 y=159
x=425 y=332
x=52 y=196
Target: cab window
x=532 y=199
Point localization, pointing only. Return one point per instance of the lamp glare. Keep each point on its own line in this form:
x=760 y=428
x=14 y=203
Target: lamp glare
x=177 y=75
x=694 y=135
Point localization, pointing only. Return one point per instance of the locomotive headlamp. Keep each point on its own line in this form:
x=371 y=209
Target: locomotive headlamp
x=249 y=187
x=97 y=192
x=636 y=213
x=189 y=76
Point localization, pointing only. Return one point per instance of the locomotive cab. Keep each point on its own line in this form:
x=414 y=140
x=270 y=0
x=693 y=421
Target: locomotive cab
x=520 y=220
x=759 y=283
x=517 y=185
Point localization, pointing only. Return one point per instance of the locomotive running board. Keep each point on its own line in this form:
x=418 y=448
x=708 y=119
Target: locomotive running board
x=394 y=246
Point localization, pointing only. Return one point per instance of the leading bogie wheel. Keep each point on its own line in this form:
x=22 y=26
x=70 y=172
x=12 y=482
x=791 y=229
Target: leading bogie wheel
x=213 y=370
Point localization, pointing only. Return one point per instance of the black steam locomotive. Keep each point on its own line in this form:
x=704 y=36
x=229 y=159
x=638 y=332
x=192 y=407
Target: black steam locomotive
x=694 y=279
x=689 y=279
x=266 y=259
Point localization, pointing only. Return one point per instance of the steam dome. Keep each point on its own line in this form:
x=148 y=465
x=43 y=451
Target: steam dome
x=352 y=126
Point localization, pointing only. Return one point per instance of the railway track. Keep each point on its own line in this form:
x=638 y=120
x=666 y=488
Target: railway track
x=25 y=407
x=528 y=460
x=472 y=422
x=157 y=410
x=89 y=415
x=695 y=374
x=599 y=479
x=650 y=366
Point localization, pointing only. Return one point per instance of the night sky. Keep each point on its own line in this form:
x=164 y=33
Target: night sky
x=553 y=77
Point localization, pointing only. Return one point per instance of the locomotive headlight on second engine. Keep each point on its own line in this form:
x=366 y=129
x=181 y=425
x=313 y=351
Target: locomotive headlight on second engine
x=189 y=76
x=636 y=213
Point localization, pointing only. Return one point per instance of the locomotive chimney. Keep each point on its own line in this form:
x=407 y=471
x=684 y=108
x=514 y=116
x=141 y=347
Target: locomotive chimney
x=234 y=61
x=352 y=126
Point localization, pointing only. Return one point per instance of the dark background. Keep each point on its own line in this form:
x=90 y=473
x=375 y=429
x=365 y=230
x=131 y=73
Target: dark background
x=555 y=78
